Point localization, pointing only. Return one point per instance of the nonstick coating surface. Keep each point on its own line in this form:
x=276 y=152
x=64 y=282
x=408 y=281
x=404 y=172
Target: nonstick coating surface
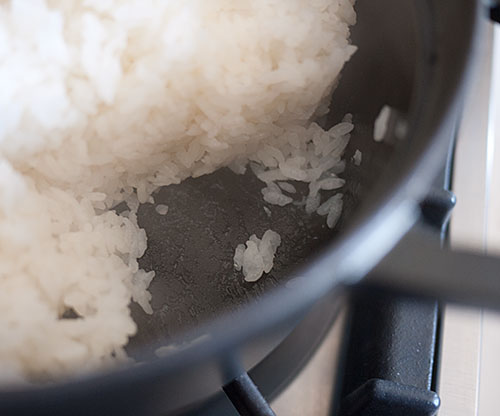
x=191 y=248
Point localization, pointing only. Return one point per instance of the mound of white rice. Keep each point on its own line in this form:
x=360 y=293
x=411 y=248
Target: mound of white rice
x=104 y=101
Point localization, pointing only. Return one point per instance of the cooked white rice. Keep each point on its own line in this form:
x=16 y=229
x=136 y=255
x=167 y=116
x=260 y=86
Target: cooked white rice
x=287 y=187
x=103 y=102
x=312 y=155
x=381 y=123
x=257 y=257
x=357 y=157
x=161 y=209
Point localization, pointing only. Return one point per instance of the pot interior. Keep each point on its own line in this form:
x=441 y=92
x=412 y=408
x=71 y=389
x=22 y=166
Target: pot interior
x=191 y=249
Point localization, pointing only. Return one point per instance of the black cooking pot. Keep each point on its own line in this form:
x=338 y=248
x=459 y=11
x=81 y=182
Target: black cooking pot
x=414 y=55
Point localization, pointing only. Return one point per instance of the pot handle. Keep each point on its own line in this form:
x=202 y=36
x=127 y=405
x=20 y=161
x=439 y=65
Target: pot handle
x=494 y=7
x=419 y=266
x=246 y=397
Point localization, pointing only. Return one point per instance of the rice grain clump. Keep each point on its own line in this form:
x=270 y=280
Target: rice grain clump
x=305 y=154
x=104 y=102
x=257 y=257
x=357 y=157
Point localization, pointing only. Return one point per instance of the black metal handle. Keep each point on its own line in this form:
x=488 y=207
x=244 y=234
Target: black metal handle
x=246 y=397
x=494 y=9
x=419 y=267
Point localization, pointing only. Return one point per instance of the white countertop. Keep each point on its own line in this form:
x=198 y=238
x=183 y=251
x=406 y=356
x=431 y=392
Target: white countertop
x=470 y=352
